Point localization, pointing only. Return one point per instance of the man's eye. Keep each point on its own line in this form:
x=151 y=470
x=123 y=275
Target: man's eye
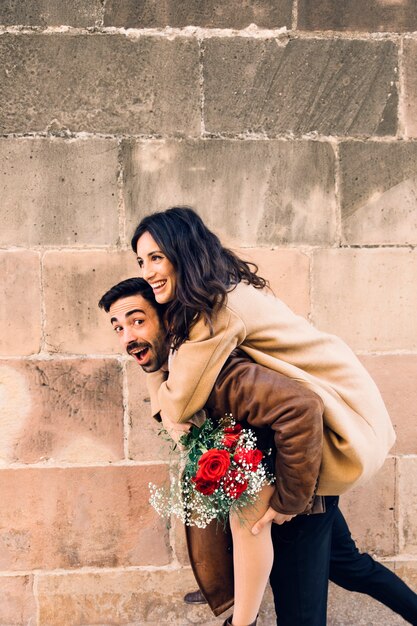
x=117 y=329
x=138 y=322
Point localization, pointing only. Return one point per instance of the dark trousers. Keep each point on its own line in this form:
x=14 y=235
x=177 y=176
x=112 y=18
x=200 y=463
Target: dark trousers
x=309 y=551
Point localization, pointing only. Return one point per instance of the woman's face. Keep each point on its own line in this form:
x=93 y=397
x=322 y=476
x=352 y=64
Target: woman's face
x=156 y=268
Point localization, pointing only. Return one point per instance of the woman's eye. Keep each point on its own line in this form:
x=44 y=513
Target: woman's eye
x=140 y=263
x=156 y=257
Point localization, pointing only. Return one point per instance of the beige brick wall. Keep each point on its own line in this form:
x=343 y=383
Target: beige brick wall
x=291 y=126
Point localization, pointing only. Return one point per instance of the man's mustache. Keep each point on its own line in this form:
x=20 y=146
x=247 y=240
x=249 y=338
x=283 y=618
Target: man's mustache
x=134 y=345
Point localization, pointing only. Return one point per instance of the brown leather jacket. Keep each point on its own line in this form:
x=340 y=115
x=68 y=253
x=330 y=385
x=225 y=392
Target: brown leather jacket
x=285 y=415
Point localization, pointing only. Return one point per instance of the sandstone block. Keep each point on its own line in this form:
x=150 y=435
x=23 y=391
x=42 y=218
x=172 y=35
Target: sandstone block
x=134 y=598
x=20 y=308
x=410 y=87
x=58 y=192
x=65 y=411
x=145 y=442
x=407 y=500
x=208 y=14
x=367 y=297
x=17 y=601
x=74 y=283
x=378 y=190
x=287 y=272
x=359 y=16
x=347 y=608
x=50 y=13
x=253 y=192
x=325 y=86
x=101 y=84
x=370 y=514
x=407 y=571
x=76 y=517
x=395 y=376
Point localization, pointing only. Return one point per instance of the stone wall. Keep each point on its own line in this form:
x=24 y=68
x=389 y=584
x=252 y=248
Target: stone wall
x=291 y=126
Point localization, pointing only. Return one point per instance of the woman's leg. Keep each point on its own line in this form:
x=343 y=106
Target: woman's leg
x=252 y=557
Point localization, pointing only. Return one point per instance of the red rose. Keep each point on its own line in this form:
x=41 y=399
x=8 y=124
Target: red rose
x=249 y=458
x=213 y=465
x=205 y=486
x=231 y=435
x=234 y=484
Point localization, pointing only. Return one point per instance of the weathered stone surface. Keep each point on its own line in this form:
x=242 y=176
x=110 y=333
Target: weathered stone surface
x=249 y=191
x=367 y=297
x=288 y=272
x=102 y=84
x=378 y=192
x=69 y=518
x=144 y=442
x=58 y=192
x=68 y=410
x=325 y=86
x=133 y=598
x=20 y=307
x=395 y=376
x=375 y=15
x=50 y=13
x=209 y=14
x=17 y=605
x=407 y=502
x=369 y=511
x=74 y=283
x=407 y=571
x=410 y=87
x=347 y=608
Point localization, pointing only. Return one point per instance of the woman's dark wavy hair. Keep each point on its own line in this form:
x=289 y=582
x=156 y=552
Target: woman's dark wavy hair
x=206 y=270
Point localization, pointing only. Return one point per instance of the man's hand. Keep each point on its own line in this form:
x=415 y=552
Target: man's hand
x=175 y=430
x=270 y=516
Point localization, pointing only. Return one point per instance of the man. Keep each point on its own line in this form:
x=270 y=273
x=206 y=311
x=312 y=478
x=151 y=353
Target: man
x=310 y=549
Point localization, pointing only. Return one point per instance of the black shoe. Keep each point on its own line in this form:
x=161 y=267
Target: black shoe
x=194 y=597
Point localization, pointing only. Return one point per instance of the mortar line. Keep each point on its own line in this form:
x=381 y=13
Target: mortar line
x=103 y=12
x=121 y=208
x=252 y=31
x=126 y=417
x=286 y=136
x=294 y=16
x=48 y=465
x=201 y=85
x=337 y=191
x=401 y=132
x=43 y=343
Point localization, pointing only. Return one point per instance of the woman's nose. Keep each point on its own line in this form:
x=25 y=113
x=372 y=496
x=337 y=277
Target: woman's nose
x=147 y=271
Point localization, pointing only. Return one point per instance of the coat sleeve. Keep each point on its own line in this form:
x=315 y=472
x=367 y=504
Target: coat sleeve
x=267 y=399
x=196 y=365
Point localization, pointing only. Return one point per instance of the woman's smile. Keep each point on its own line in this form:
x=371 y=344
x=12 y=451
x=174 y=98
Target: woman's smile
x=156 y=268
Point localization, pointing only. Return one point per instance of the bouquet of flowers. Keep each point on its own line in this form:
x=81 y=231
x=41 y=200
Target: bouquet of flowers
x=222 y=472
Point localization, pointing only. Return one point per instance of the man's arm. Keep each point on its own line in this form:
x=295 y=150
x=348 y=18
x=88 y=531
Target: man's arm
x=266 y=399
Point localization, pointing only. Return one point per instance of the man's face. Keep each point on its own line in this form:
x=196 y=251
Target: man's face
x=140 y=331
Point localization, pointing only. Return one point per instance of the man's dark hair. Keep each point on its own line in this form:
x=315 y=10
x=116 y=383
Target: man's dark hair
x=130 y=287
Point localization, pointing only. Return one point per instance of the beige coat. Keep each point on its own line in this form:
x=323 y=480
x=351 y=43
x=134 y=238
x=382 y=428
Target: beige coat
x=358 y=431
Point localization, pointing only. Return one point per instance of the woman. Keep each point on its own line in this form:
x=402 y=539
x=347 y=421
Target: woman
x=215 y=302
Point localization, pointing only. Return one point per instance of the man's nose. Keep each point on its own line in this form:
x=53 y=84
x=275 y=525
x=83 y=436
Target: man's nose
x=128 y=336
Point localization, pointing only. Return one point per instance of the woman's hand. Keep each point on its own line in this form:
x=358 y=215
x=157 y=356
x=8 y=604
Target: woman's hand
x=174 y=430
